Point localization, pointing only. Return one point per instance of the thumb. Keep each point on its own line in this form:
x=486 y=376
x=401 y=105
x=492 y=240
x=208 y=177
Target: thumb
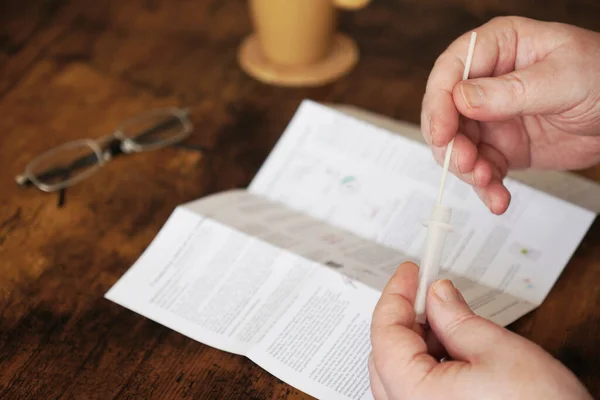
x=465 y=335
x=542 y=88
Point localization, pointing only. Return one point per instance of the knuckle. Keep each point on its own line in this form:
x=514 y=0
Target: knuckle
x=507 y=42
x=516 y=86
x=506 y=21
x=461 y=322
x=581 y=49
x=395 y=310
x=449 y=61
x=499 y=20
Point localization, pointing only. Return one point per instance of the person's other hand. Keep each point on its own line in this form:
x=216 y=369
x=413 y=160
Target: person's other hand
x=488 y=362
x=532 y=100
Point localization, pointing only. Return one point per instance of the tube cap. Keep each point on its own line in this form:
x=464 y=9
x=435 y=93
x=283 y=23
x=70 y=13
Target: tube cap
x=440 y=215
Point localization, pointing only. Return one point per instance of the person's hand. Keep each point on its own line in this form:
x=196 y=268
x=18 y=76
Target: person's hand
x=532 y=100
x=488 y=362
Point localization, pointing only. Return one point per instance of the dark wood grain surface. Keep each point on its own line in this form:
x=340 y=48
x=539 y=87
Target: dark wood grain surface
x=75 y=69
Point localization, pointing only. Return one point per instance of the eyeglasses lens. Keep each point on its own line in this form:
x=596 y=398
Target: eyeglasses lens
x=155 y=129
x=64 y=165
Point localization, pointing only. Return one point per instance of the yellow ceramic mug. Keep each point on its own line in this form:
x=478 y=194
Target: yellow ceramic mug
x=297 y=32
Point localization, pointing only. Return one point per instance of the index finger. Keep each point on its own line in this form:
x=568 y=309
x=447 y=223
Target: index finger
x=495 y=53
x=399 y=353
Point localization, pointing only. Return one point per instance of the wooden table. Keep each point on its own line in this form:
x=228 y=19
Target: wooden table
x=75 y=69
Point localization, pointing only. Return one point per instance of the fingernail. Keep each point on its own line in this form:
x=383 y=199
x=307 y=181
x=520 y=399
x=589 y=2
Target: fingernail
x=445 y=290
x=490 y=203
x=476 y=176
x=472 y=94
x=455 y=154
x=431 y=130
x=483 y=198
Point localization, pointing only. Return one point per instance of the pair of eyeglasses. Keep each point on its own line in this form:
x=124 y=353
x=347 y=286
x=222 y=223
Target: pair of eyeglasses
x=73 y=162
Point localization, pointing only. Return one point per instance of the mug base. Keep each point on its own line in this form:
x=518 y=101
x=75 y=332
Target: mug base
x=340 y=60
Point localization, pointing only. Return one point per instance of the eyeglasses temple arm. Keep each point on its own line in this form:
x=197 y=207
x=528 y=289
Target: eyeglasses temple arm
x=158 y=127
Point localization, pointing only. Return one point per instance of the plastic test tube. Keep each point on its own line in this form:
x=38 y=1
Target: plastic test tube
x=437 y=230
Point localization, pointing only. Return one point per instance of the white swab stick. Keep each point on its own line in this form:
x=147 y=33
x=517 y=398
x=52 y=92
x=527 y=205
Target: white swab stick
x=451 y=144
